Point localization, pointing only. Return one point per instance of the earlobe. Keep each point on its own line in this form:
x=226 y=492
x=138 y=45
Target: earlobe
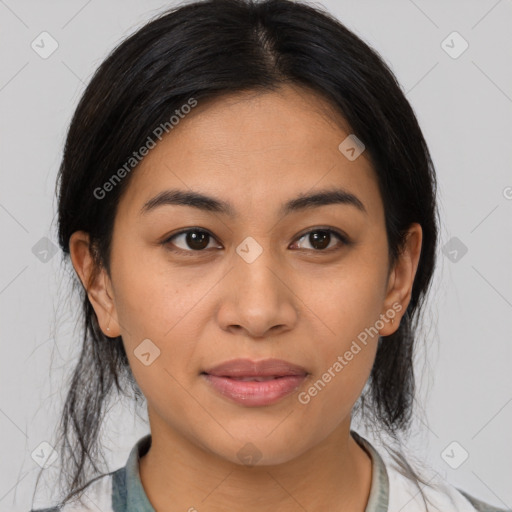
x=393 y=308
x=401 y=280
x=95 y=281
x=102 y=300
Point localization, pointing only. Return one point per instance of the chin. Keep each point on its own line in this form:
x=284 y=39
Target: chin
x=259 y=449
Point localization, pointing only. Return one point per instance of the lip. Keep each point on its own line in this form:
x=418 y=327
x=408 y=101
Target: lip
x=249 y=368
x=281 y=379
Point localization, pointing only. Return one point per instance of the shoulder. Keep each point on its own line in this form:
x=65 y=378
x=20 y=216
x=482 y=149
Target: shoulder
x=404 y=495
x=481 y=506
x=97 y=495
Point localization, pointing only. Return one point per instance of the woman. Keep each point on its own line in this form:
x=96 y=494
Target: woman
x=249 y=204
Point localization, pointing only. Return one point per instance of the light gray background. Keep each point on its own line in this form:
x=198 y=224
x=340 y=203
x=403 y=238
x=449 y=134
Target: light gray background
x=464 y=106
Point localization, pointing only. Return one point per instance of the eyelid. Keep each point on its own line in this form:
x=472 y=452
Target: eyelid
x=342 y=237
x=167 y=240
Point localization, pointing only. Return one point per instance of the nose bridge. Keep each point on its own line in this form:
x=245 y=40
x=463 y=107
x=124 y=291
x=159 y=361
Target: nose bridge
x=253 y=262
x=259 y=302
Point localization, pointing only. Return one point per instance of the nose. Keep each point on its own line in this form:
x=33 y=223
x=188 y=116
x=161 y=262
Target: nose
x=257 y=295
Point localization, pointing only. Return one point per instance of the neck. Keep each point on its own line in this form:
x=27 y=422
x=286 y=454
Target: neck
x=178 y=475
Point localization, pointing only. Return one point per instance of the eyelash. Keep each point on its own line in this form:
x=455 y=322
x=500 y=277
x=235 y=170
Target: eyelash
x=167 y=242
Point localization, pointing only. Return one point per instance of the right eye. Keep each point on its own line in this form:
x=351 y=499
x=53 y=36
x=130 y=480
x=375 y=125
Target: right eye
x=196 y=239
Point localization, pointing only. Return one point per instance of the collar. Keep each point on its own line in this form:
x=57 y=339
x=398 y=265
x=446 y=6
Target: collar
x=128 y=494
x=379 y=491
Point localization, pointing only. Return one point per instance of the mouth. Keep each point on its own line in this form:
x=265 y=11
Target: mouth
x=255 y=383
x=253 y=378
x=247 y=368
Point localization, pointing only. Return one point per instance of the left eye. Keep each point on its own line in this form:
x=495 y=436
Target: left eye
x=319 y=238
x=197 y=240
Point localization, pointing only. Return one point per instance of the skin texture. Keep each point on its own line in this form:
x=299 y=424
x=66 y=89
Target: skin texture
x=294 y=302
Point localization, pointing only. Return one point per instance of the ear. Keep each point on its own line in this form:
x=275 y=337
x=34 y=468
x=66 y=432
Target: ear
x=401 y=280
x=95 y=281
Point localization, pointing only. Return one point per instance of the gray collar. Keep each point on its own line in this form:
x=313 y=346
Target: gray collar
x=379 y=491
x=128 y=495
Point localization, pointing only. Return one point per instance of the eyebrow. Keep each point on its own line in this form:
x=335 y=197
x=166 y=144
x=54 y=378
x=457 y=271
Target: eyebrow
x=212 y=204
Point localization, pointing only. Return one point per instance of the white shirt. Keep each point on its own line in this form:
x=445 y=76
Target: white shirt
x=122 y=490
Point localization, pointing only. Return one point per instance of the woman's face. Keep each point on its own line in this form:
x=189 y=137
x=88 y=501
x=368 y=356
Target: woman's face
x=256 y=282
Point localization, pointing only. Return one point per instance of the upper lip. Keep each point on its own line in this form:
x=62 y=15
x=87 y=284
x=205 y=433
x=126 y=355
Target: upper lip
x=249 y=368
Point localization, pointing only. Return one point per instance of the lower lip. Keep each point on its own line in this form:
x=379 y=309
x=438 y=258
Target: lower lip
x=252 y=393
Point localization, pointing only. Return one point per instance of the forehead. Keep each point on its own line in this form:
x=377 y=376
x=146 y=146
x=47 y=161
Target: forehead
x=255 y=148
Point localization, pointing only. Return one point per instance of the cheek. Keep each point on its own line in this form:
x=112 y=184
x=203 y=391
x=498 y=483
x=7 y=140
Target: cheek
x=346 y=302
x=167 y=308
x=150 y=299
x=345 y=354
x=346 y=310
